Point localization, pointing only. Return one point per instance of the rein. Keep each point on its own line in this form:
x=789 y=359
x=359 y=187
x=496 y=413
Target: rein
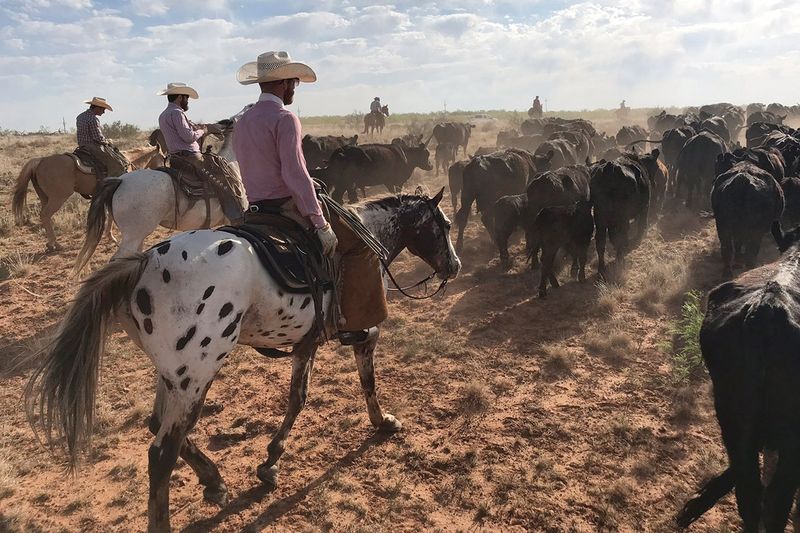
x=375 y=245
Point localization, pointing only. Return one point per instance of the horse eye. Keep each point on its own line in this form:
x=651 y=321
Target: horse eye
x=448 y=226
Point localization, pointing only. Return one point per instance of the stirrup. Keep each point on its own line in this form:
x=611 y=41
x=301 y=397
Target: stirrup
x=351 y=338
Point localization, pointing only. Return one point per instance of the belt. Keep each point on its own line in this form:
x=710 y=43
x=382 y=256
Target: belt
x=266 y=206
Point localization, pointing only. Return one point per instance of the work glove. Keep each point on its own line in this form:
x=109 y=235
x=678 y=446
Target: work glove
x=327 y=238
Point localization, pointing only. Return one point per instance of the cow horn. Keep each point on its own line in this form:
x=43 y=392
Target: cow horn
x=429 y=140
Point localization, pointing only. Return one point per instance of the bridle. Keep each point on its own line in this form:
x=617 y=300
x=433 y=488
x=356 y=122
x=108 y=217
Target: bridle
x=402 y=290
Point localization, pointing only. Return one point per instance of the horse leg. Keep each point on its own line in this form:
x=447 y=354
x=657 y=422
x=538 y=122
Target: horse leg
x=302 y=364
x=109 y=232
x=49 y=208
x=366 y=373
x=207 y=472
x=176 y=419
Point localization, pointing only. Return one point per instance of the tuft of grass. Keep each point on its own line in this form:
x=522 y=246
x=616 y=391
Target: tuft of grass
x=609 y=298
x=612 y=345
x=558 y=363
x=18 y=264
x=6 y=225
x=686 y=358
x=474 y=400
x=8 y=476
x=684 y=406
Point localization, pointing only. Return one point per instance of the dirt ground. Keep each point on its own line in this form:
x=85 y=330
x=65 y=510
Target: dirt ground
x=520 y=413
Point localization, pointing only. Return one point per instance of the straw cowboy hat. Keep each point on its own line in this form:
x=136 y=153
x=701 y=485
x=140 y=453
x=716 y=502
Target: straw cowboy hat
x=178 y=88
x=274 y=66
x=99 y=102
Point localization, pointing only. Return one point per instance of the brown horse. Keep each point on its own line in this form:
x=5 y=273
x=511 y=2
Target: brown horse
x=373 y=121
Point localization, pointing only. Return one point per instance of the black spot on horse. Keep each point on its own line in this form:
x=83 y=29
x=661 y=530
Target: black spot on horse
x=220 y=356
x=290 y=317
x=181 y=344
x=136 y=323
x=166 y=276
x=184 y=255
x=305 y=302
x=298 y=327
x=205 y=342
x=284 y=326
x=200 y=308
x=203 y=355
x=181 y=370
x=268 y=333
x=192 y=232
x=291 y=301
x=148 y=326
x=143 y=301
x=168 y=383
x=208 y=292
x=280 y=312
x=281 y=334
x=185 y=383
x=163 y=248
x=232 y=326
x=224 y=247
x=226 y=310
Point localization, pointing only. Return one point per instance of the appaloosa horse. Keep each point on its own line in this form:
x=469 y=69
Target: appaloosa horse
x=186 y=303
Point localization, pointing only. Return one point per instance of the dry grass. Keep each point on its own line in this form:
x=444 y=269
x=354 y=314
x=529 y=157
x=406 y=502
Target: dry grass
x=6 y=224
x=611 y=343
x=8 y=474
x=558 y=363
x=474 y=399
x=71 y=216
x=17 y=265
x=609 y=298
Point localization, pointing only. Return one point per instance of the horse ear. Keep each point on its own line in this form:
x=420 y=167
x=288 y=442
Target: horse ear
x=438 y=198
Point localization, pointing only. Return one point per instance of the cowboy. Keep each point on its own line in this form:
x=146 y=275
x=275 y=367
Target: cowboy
x=537 y=105
x=91 y=141
x=267 y=146
x=180 y=134
x=622 y=105
x=375 y=106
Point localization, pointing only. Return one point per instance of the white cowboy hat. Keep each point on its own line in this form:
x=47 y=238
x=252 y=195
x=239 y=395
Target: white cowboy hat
x=274 y=66
x=100 y=102
x=178 y=88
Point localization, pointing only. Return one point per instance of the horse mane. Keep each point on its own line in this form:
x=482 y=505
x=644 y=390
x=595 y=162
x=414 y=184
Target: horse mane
x=392 y=201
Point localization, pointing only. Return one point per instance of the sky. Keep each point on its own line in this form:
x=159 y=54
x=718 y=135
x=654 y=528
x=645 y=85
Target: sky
x=415 y=55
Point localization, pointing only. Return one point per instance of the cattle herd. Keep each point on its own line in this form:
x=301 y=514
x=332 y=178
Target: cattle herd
x=563 y=182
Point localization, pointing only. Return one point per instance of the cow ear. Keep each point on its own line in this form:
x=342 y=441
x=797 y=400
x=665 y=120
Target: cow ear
x=655 y=153
x=438 y=198
x=355 y=137
x=419 y=191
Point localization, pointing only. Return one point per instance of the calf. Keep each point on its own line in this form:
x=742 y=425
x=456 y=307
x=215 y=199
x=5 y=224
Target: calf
x=746 y=200
x=620 y=192
x=750 y=338
x=445 y=155
x=567 y=227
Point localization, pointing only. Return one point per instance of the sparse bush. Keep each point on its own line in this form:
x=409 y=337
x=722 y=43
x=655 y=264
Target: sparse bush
x=354 y=120
x=118 y=130
x=558 y=363
x=474 y=400
x=18 y=264
x=609 y=298
x=612 y=345
x=687 y=359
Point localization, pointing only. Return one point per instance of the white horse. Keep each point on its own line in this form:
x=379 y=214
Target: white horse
x=140 y=201
x=186 y=303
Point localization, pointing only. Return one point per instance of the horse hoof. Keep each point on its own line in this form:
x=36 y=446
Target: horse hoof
x=217 y=495
x=390 y=425
x=268 y=475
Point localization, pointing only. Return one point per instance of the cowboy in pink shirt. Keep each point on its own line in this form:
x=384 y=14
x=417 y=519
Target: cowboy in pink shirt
x=179 y=132
x=267 y=146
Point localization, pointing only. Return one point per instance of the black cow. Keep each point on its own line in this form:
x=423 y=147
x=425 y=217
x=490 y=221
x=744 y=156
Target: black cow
x=696 y=161
x=445 y=156
x=352 y=167
x=509 y=214
x=673 y=141
x=453 y=132
x=620 y=192
x=767 y=159
x=560 y=187
x=317 y=150
x=487 y=178
x=627 y=134
x=504 y=137
x=765 y=116
x=778 y=109
x=555 y=154
x=665 y=121
x=718 y=126
x=757 y=132
x=455 y=178
x=657 y=175
x=791 y=196
x=746 y=200
x=789 y=147
x=582 y=143
x=568 y=227
x=525 y=142
x=750 y=339
x=409 y=139
x=754 y=108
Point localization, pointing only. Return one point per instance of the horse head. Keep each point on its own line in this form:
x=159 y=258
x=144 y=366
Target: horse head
x=425 y=231
x=385 y=110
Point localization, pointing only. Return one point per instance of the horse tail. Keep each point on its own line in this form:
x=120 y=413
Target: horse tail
x=96 y=221
x=19 y=200
x=61 y=391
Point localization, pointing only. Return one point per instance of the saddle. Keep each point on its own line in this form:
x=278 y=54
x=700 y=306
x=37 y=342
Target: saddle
x=295 y=260
x=205 y=179
x=84 y=160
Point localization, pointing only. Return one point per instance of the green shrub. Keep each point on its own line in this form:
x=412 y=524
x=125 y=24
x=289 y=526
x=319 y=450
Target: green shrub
x=687 y=359
x=118 y=130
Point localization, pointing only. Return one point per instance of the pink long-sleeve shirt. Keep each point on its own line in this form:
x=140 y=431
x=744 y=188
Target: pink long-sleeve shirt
x=267 y=144
x=178 y=130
